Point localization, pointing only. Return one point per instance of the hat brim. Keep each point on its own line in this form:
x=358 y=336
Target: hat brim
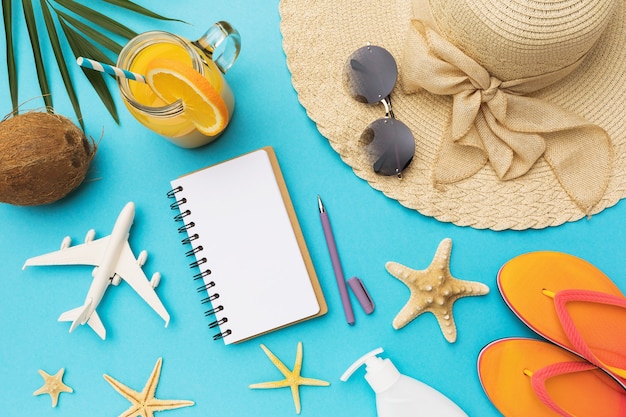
x=319 y=35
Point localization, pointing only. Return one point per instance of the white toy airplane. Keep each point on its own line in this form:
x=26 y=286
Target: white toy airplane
x=113 y=260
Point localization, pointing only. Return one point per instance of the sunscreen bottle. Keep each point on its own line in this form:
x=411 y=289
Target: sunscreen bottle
x=399 y=395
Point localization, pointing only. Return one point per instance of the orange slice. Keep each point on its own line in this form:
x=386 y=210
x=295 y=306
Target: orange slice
x=172 y=80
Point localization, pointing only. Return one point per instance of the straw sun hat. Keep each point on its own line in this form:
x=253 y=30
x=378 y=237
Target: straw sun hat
x=518 y=107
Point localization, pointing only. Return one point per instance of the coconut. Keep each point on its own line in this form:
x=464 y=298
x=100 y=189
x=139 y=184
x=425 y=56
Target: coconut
x=43 y=157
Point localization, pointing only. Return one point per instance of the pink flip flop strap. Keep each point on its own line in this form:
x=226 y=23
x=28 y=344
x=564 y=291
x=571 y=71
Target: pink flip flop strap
x=539 y=378
x=580 y=346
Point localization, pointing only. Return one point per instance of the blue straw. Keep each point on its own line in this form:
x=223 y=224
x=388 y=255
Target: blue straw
x=109 y=69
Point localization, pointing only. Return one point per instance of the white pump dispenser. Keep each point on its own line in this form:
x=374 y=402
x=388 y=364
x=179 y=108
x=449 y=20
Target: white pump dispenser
x=399 y=395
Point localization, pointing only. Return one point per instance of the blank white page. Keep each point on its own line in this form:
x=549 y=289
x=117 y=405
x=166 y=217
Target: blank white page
x=250 y=245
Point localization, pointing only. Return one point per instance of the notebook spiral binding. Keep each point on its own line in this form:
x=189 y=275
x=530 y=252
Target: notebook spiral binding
x=204 y=272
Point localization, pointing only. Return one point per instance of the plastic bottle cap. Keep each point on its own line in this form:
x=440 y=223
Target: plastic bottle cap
x=380 y=373
x=348 y=373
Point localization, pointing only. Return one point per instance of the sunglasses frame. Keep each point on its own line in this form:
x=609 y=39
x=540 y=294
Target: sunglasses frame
x=357 y=75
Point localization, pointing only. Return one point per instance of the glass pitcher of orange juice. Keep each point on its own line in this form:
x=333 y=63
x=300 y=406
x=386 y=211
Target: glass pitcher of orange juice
x=189 y=114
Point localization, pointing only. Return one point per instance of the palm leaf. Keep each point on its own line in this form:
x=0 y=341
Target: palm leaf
x=97 y=18
x=83 y=28
x=82 y=47
x=129 y=5
x=7 y=14
x=58 y=54
x=29 y=16
x=90 y=32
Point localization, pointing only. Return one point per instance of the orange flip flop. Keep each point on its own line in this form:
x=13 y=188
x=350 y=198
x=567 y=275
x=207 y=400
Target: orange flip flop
x=571 y=303
x=526 y=377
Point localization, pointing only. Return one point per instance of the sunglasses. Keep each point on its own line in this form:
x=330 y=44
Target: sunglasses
x=370 y=75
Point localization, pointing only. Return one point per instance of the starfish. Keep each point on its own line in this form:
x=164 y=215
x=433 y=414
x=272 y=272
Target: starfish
x=53 y=385
x=292 y=378
x=144 y=404
x=435 y=290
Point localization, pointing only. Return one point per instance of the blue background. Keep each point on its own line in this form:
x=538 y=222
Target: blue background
x=133 y=164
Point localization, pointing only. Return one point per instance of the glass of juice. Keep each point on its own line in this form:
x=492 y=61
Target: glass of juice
x=211 y=56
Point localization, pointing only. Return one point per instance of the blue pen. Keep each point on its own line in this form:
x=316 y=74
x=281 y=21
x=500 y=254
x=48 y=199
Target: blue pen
x=334 y=257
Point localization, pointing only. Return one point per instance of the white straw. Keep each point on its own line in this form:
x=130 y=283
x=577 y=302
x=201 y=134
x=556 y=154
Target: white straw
x=109 y=69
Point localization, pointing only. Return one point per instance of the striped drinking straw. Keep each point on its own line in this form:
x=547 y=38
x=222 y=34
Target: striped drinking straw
x=109 y=69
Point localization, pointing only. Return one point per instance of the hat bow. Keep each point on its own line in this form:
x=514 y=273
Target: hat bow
x=497 y=122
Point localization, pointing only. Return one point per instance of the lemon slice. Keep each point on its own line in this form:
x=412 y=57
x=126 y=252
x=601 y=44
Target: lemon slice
x=172 y=80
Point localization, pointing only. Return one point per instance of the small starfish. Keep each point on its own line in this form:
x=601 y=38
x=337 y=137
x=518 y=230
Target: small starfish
x=292 y=378
x=435 y=290
x=144 y=404
x=53 y=385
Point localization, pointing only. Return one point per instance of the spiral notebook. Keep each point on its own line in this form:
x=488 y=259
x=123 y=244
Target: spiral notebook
x=247 y=247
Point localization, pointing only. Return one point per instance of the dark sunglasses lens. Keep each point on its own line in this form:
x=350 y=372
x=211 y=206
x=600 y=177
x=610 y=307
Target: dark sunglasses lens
x=370 y=74
x=390 y=145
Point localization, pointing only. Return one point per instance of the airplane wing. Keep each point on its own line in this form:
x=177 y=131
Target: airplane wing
x=128 y=268
x=84 y=254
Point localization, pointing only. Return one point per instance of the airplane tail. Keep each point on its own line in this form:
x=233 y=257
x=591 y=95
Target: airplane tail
x=79 y=315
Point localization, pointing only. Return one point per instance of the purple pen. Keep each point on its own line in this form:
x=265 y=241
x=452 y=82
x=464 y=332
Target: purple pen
x=334 y=257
